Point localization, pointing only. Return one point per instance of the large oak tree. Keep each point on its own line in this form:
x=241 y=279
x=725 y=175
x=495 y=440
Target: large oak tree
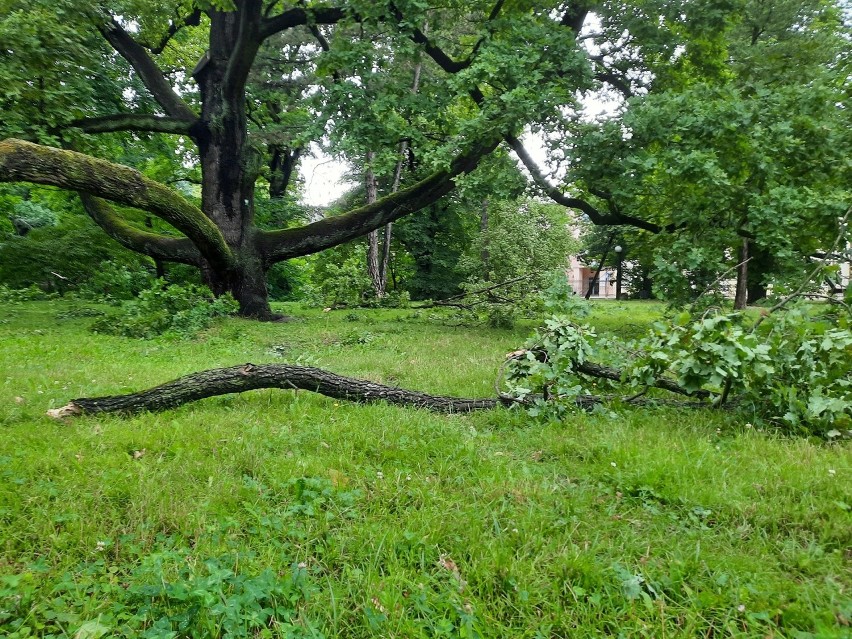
x=494 y=67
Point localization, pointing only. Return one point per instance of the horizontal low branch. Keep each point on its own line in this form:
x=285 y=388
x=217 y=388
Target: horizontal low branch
x=134 y=122
x=159 y=247
x=26 y=162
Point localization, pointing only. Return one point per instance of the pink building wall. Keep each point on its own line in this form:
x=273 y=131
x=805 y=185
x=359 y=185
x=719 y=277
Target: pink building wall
x=580 y=277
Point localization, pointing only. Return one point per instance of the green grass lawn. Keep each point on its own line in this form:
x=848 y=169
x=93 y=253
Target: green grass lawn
x=286 y=514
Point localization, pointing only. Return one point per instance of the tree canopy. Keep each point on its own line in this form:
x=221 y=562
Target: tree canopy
x=719 y=137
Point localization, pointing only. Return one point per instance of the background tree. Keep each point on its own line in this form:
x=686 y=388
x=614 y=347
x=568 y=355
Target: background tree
x=725 y=148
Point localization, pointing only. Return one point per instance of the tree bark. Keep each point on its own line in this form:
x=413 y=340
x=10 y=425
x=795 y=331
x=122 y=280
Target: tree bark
x=373 y=267
x=760 y=264
x=229 y=165
x=741 y=297
x=238 y=379
x=247 y=377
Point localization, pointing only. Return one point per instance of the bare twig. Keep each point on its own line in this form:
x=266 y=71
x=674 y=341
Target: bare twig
x=449 y=301
x=633 y=398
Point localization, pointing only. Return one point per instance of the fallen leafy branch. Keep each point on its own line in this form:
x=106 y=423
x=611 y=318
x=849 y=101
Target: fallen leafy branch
x=239 y=379
x=453 y=301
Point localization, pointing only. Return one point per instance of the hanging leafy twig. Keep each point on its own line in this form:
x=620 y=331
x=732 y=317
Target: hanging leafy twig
x=449 y=301
x=810 y=277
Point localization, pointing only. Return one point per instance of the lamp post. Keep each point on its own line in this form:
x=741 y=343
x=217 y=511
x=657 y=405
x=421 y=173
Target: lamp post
x=619 y=250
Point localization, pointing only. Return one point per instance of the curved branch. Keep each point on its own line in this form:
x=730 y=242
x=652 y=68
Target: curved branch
x=288 y=243
x=134 y=122
x=435 y=52
x=238 y=379
x=147 y=69
x=247 y=377
x=613 y=218
x=615 y=81
x=191 y=20
x=299 y=16
x=159 y=247
x=26 y=162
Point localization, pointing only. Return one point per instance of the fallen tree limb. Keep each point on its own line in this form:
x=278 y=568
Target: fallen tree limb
x=593 y=369
x=238 y=379
x=598 y=370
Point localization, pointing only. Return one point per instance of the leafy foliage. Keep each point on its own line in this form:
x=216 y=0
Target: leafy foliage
x=114 y=283
x=522 y=250
x=794 y=370
x=173 y=309
x=62 y=255
x=28 y=215
x=722 y=140
x=17 y=295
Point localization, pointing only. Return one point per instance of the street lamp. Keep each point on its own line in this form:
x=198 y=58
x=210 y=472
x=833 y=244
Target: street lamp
x=618 y=254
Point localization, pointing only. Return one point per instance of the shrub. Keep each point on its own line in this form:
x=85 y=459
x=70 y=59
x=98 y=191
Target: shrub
x=76 y=249
x=343 y=284
x=167 y=309
x=115 y=282
x=794 y=370
x=28 y=215
x=17 y=295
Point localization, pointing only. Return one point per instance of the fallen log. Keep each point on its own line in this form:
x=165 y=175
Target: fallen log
x=238 y=379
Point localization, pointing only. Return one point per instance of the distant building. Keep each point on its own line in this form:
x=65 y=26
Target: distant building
x=581 y=277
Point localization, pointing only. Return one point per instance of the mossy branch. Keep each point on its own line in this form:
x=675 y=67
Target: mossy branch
x=160 y=247
x=134 y=122
x=311 y=238
x=238 y=379
x=26 y=162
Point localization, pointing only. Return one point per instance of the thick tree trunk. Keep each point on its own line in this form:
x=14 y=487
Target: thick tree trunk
x=741 y=297
x=760 y=263
x=238 y=379
x=246 y=283
x=229 y=168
